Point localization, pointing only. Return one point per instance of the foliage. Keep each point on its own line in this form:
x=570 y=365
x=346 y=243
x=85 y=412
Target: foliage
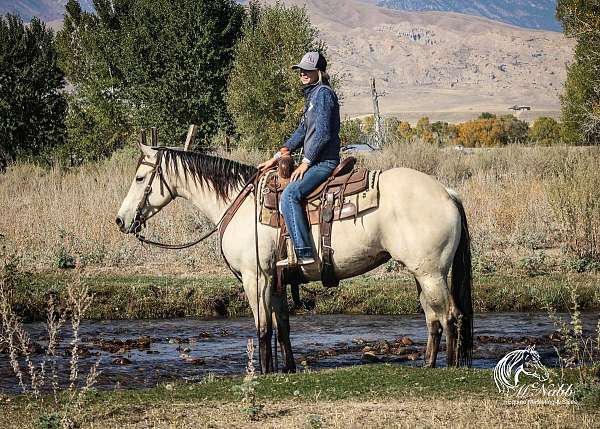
x=248 y=389
x=487 y=115
x=404 y=131
x=574 y=195
x=263 y=95
x=137 y=63
x=579 y=350
x=32 y=108
x=545 y=131
x=581 y=98
x=424 y=130
x=351 y=132
x=34 y=373
x=368 y=124
x=444 y=132
x=492 y=132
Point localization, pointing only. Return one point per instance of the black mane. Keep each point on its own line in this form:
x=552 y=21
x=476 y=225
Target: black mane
x=220 y=174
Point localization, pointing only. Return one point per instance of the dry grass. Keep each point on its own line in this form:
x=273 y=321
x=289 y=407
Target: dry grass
x=395 y=413
x=514 y=198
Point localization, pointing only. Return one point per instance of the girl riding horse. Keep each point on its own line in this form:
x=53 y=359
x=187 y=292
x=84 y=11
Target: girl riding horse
x=318 y=133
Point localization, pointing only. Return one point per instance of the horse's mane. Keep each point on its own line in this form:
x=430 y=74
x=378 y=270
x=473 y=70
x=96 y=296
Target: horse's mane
x=221 y=174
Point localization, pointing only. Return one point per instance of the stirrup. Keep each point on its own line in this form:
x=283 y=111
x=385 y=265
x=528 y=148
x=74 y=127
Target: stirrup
x=299 y=262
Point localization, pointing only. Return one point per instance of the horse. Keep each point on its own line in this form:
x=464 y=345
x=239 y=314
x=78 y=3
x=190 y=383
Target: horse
x=515 y=364
x=418 y=222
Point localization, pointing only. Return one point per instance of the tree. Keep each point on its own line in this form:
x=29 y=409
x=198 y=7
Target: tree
x=140 y=63
x=514 y=131
x=264 y=97
x=491 y=132
x=404 y=131
x=424 y=130
x=545 y=131
x=350 y=132
x=581 y=97
x=32 y=106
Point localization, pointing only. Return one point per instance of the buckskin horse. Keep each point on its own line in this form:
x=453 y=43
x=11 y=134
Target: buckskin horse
x=418 y=222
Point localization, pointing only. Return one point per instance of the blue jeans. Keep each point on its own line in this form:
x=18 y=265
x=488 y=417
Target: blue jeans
x=291 y=205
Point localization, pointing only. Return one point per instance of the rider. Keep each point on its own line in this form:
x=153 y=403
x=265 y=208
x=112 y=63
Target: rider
x=318 y=132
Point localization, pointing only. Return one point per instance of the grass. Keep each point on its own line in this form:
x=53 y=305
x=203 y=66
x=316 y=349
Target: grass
x=370 y=394
x=150 y=297
x=520 y=201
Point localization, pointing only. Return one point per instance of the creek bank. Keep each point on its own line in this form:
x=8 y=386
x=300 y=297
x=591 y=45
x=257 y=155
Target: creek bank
x=153 y=297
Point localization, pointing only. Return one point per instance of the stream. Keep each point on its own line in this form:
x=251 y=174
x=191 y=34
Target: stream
x=142 y=353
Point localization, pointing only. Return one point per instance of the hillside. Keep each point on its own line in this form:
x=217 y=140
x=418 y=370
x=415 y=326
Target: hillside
x=447 y=65
x=538 y=14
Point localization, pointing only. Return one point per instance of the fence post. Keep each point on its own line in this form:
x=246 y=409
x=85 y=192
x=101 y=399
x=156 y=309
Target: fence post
x=191 y=136
x=154 y=136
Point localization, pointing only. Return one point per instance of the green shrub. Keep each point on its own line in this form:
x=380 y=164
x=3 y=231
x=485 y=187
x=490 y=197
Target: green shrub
x=545 y=131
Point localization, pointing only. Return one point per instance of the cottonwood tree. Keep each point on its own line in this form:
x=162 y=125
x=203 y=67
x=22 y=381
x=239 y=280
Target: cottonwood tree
x=139 y=63
x=581 y=97
x=32 y=106
x=264 y=97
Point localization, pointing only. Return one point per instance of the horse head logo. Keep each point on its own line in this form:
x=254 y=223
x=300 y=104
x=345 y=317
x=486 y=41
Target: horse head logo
x=516 y=364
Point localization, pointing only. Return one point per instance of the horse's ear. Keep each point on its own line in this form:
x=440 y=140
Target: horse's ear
x=146 y=150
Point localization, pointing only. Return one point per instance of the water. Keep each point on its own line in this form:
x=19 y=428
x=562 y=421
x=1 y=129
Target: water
x=188 y=349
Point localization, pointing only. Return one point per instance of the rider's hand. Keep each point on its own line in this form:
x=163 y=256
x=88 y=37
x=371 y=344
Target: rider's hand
x=267 y=165
x=299 y=172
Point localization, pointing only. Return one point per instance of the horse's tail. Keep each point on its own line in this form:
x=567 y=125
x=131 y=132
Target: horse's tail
x=462 y=282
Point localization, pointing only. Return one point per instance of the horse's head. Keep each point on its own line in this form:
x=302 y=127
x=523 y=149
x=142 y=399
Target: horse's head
x=148 y=193
x=532 y=365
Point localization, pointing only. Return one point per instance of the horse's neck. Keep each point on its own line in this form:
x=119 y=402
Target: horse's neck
x=205 y=198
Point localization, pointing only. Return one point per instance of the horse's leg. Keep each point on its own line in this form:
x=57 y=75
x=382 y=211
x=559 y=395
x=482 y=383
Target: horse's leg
x=430 y=338
x=261 y=309
x=434 y=299
x=281 y=319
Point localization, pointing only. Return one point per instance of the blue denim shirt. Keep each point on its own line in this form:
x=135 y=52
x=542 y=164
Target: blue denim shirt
x=319 y=129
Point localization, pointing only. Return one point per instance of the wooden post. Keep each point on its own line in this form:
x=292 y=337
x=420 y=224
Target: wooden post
x=191 y=136
x=226 y=143
x=154 y=136
x=376 y=116
x=143 y=136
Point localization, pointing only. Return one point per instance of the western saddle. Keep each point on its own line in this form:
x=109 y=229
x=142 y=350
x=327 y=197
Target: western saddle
x=325 y=204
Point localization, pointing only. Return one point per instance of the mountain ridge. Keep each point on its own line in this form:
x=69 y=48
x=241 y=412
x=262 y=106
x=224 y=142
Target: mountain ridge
x=535 y=14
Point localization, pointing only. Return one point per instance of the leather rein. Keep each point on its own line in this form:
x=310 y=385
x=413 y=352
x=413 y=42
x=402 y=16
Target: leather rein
x=139 y=221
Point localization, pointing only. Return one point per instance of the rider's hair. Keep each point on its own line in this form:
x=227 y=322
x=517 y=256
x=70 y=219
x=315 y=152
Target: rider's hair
x=323 y=77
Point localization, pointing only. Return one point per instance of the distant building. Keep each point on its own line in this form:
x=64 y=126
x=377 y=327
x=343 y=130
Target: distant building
x=519 y=108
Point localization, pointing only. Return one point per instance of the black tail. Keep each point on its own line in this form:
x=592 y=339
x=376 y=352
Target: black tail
x=462 y=282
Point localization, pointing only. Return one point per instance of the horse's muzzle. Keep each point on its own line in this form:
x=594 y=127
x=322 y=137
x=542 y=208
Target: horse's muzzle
x=121 y=224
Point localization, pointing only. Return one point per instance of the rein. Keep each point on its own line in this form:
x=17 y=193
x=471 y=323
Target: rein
x=140 y=221
x=221 y=225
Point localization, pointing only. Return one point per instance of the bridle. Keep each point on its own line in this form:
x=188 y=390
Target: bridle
x=139 y=221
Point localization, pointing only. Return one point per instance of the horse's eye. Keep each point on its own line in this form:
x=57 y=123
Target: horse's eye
x=139 y=179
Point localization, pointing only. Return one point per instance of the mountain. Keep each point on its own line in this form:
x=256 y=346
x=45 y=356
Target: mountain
x=539 y=14
x=47 y=10
x=446 y=65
